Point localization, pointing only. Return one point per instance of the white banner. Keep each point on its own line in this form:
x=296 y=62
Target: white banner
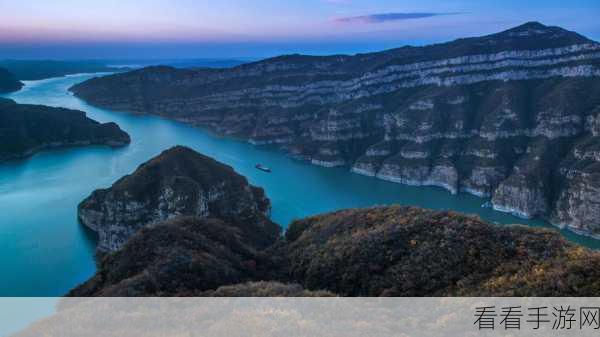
x=347 y=317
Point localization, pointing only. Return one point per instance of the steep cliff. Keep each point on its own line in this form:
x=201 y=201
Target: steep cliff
x=179 y=181
x=26 y=129
x=512 y=116
x=8 y=82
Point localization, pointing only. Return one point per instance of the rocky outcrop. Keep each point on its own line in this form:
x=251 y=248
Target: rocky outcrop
x=8 y=82
x=179 y=181
x=26 y=129
x=499 y=116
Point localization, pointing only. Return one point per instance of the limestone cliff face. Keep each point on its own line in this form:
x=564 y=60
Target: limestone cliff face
x=578 y=201
x=499 y=116
x=179 y=181
x=26 y=129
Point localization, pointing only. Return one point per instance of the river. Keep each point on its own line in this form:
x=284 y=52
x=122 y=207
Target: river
x=45 y=252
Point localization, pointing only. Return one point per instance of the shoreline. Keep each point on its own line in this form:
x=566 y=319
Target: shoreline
x=482 y=196
x=47 y=147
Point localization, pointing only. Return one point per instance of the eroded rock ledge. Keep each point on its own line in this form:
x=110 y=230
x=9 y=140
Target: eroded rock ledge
x=513 y=116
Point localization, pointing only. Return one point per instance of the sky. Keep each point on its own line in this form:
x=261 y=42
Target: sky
x=155 y=29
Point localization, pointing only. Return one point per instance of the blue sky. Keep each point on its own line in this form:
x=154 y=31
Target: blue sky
x=259 y=28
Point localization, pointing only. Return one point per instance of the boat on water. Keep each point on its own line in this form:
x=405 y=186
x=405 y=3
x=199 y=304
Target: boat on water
x=263 y=168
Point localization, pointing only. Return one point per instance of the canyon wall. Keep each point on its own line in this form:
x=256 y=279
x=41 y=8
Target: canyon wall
x=513 y=116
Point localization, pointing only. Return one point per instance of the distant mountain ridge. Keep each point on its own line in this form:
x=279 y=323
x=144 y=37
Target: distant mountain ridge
x=512 y=116
x=29 y=70
x=185 y=63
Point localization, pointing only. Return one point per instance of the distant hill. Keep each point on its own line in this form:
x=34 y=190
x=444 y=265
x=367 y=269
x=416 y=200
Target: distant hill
x=8 y=82
x=26 y=129
x=27 y=70
x=178 y=63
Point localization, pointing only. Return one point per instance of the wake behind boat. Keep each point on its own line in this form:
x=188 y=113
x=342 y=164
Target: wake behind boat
x=263 y=168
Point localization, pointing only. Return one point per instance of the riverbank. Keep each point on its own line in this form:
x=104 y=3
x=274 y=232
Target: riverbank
x=45 y=252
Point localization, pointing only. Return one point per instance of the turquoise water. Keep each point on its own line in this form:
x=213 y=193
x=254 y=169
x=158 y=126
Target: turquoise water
x=43 y=250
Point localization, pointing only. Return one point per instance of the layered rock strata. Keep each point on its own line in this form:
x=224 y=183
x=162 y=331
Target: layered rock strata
x=512 y=116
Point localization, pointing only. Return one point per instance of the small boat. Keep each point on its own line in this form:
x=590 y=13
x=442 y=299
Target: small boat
x=487 y=204
x=263 y=168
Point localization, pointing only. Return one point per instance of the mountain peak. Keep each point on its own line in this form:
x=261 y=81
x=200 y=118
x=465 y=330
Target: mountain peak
x=533 y=35
x=179 y=181
x=535 y=30
x=530 y=25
